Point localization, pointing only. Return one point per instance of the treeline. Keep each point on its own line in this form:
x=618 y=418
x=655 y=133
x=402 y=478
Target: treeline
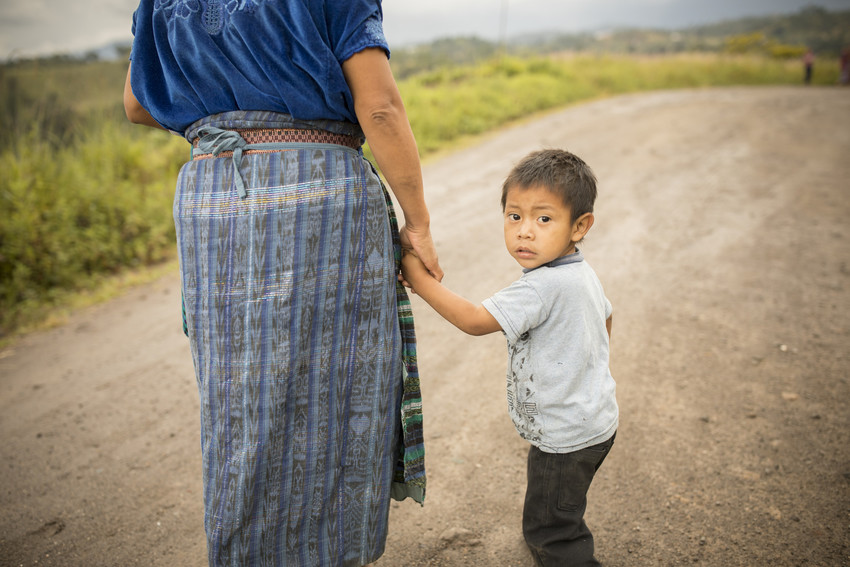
x=823 y=31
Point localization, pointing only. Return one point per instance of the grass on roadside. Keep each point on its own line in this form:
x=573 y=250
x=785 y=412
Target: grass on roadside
x=73 y=215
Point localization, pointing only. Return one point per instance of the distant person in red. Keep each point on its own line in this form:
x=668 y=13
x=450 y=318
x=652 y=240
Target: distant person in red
x=844 y=78
x=808 y=63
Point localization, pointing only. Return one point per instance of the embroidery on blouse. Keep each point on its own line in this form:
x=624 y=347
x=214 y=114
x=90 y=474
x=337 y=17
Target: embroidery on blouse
x=241 y=5
x=214 y=12
x=213 y=17
x=375 y=30
x=177 y=8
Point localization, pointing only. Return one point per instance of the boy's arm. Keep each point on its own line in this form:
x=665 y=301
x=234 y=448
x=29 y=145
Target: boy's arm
x=463 y=314
x=608 y=325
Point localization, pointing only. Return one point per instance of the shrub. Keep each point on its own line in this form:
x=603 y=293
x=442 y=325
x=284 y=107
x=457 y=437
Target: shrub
x=73 y=212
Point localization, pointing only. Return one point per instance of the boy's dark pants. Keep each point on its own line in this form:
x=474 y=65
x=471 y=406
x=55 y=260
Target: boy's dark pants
x=555 y=501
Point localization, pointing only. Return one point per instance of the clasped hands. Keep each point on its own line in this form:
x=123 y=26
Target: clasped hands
x=419 y=258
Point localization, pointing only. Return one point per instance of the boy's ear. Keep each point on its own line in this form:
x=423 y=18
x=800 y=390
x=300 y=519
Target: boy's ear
x=582 y=226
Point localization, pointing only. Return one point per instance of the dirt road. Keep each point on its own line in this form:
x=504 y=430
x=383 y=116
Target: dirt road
x=723 y=242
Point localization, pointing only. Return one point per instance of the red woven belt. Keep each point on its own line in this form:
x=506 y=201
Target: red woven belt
x=294 y=135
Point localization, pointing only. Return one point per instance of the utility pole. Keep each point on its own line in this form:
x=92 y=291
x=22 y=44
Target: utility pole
x=503 y=27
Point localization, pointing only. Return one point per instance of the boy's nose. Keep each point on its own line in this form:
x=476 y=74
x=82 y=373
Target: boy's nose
x=525 y=231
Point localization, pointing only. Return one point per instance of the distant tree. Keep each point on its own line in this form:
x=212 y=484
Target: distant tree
x=746 y=43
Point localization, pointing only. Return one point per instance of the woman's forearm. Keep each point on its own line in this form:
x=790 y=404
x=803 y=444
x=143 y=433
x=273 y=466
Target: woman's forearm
x=394 y=147
x=381 y=114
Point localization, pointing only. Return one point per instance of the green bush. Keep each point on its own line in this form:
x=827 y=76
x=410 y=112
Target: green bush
x=759 y=44
x=781 y=51
x=71 y=213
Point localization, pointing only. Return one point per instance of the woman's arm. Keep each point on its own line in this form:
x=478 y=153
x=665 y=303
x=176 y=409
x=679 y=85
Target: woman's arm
x=381 y=114
x=135 y=113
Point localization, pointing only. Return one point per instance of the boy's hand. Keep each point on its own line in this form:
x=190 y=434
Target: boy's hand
x=412 y=270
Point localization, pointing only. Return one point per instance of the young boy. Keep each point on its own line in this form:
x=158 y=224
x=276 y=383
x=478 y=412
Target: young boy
x=557 y=322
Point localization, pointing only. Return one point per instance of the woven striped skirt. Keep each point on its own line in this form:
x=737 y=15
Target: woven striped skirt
x=302 y=344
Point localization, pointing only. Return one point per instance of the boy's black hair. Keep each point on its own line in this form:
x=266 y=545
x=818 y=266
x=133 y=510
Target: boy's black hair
x=564 y=174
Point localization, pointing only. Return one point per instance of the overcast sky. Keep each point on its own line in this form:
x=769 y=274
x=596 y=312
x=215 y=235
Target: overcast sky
x=31 y=27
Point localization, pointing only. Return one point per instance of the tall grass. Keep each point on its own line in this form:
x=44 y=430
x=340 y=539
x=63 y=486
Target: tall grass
x=451 y=103
x=83 y=194
x=74 y=213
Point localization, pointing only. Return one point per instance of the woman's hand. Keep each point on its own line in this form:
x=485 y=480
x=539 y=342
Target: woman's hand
x=422 y=246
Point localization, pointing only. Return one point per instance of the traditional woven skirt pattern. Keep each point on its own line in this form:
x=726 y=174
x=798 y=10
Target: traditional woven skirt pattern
x=291 y=310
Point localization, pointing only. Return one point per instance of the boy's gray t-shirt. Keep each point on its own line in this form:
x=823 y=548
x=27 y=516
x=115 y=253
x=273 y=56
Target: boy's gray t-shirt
x=561 y=396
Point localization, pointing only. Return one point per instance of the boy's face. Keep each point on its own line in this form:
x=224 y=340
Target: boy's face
x=538 y=227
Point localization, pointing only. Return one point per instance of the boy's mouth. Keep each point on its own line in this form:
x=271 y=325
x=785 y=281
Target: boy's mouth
x=525 y=253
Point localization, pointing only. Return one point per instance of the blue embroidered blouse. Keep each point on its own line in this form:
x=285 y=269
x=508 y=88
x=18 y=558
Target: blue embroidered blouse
x=195 y=58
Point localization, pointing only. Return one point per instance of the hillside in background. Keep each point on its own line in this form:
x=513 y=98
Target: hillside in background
x=823 y=31
x=826 y=32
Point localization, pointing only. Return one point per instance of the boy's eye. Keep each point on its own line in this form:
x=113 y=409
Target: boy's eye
x=544 y=218
x=513 y=216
